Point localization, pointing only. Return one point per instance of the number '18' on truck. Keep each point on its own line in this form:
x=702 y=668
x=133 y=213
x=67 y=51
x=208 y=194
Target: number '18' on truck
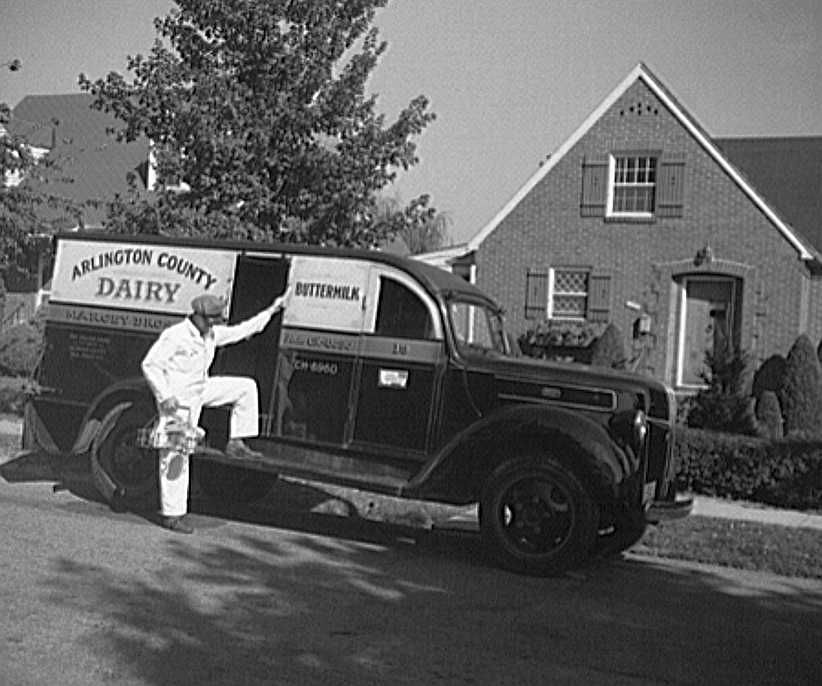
x=383 y=373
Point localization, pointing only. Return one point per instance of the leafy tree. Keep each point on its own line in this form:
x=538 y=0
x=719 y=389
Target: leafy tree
x=421 y=228
x=26 y=211
x=258 y=106
x=800 y=393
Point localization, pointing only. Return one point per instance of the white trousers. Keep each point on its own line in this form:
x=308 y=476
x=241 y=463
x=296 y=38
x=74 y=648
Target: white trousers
x=238 y=391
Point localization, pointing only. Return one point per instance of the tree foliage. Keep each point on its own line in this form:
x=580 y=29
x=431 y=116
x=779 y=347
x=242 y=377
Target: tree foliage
x=26 y=210
x=800 y=393
x=18 y=204
x=259 y=107
x=421 y=228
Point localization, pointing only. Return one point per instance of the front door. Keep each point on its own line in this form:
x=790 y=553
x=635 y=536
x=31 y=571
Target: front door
x=707 y=324
x=401 y=358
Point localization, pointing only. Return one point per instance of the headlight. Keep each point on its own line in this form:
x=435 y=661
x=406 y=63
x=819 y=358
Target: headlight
x=640 y=427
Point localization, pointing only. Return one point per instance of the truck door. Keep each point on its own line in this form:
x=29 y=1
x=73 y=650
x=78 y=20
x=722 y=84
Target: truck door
x=319 y=345
x=401 y=357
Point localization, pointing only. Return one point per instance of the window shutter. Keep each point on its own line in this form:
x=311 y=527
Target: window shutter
x=671 y=188
x=536 y=294
x=594 y=188
x=599 y=297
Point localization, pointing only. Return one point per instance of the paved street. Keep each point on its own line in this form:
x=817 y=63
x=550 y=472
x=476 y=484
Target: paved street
x=282 y=595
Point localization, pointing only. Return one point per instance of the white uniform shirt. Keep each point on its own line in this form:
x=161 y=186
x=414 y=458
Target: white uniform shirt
x=177 y=364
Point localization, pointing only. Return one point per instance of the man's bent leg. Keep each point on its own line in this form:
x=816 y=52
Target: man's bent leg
x=241 y=393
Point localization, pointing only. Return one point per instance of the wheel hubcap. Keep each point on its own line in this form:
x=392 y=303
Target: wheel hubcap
x=536 y=515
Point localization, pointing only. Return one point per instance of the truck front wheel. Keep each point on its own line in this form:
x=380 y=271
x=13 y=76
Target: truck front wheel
x=536 y=517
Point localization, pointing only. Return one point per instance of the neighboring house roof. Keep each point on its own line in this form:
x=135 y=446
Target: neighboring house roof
x=786 y=171
x=803 y=246
x=91 y=164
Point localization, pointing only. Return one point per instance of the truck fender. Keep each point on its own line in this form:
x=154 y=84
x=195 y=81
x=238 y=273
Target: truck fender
x=125 y=391
x=99 y=476
x=469 y=457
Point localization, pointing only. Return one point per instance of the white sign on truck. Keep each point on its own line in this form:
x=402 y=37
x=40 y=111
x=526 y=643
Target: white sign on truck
x=134 y=276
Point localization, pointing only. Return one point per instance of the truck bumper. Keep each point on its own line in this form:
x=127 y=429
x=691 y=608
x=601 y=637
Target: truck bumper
x=666 y=510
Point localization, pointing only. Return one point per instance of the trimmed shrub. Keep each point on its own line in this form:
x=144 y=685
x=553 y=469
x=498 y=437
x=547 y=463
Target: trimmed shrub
x=782 y=473
x=726 y=404
x=800 y=392
x=769 y=376
x=769 y=415
x=609 y=349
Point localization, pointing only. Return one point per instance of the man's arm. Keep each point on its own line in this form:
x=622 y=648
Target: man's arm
x=225 y=335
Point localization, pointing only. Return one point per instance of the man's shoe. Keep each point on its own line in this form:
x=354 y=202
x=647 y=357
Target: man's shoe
x=178 y=524
x=237 y=449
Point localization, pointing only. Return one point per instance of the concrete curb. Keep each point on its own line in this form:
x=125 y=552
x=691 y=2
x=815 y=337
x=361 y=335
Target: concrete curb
x=755 y=512
x=704 y=506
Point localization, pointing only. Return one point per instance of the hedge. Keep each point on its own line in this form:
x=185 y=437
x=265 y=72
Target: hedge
x=782 y=473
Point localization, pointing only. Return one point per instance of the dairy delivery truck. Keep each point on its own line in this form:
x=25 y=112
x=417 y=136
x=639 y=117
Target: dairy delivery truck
x=384 y=374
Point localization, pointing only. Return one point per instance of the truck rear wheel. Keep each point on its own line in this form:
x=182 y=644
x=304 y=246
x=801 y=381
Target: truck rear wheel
x=536 y=517
x=128 y=470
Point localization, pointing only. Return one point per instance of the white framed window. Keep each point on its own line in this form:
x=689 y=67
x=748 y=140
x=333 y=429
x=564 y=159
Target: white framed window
x=568 y=291
x=632 y=184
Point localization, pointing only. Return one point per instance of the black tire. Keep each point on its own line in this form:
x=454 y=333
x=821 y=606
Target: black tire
x=229 y=484
x=536 y=516
x=132 y=469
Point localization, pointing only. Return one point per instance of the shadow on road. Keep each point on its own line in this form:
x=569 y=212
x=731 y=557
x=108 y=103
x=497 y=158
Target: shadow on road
x=303 y=597
x=321 y=602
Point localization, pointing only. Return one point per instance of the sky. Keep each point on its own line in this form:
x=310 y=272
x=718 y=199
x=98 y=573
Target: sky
x=509 y=80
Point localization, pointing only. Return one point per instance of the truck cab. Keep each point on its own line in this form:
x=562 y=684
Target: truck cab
x=383 y=373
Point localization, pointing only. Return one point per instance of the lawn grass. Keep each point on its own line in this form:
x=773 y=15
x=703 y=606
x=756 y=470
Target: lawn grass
x=783 y=550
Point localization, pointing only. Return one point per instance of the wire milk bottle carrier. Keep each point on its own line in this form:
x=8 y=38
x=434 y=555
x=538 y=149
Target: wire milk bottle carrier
x=172 y=432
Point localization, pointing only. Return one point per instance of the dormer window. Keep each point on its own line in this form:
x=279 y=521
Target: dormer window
x=632 y=185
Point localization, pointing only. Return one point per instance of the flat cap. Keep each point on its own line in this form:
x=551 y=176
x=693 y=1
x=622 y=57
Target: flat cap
x=208 y=305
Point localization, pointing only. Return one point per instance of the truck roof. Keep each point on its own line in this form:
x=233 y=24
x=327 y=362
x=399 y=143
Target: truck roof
x=435 y=279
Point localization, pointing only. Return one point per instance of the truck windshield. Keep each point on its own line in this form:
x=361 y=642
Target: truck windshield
x=477 y=327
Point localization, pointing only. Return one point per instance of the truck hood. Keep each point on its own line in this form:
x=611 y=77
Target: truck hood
x=530 y=371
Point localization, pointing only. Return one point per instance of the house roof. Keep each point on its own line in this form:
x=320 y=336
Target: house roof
x=803 y=246
x=90 y=163
x=788 y=173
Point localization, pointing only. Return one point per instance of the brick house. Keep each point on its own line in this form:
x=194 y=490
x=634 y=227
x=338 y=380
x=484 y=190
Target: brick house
x=642 y=219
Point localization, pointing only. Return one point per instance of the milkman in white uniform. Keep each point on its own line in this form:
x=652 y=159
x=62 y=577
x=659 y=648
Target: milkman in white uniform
x=176 y=368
